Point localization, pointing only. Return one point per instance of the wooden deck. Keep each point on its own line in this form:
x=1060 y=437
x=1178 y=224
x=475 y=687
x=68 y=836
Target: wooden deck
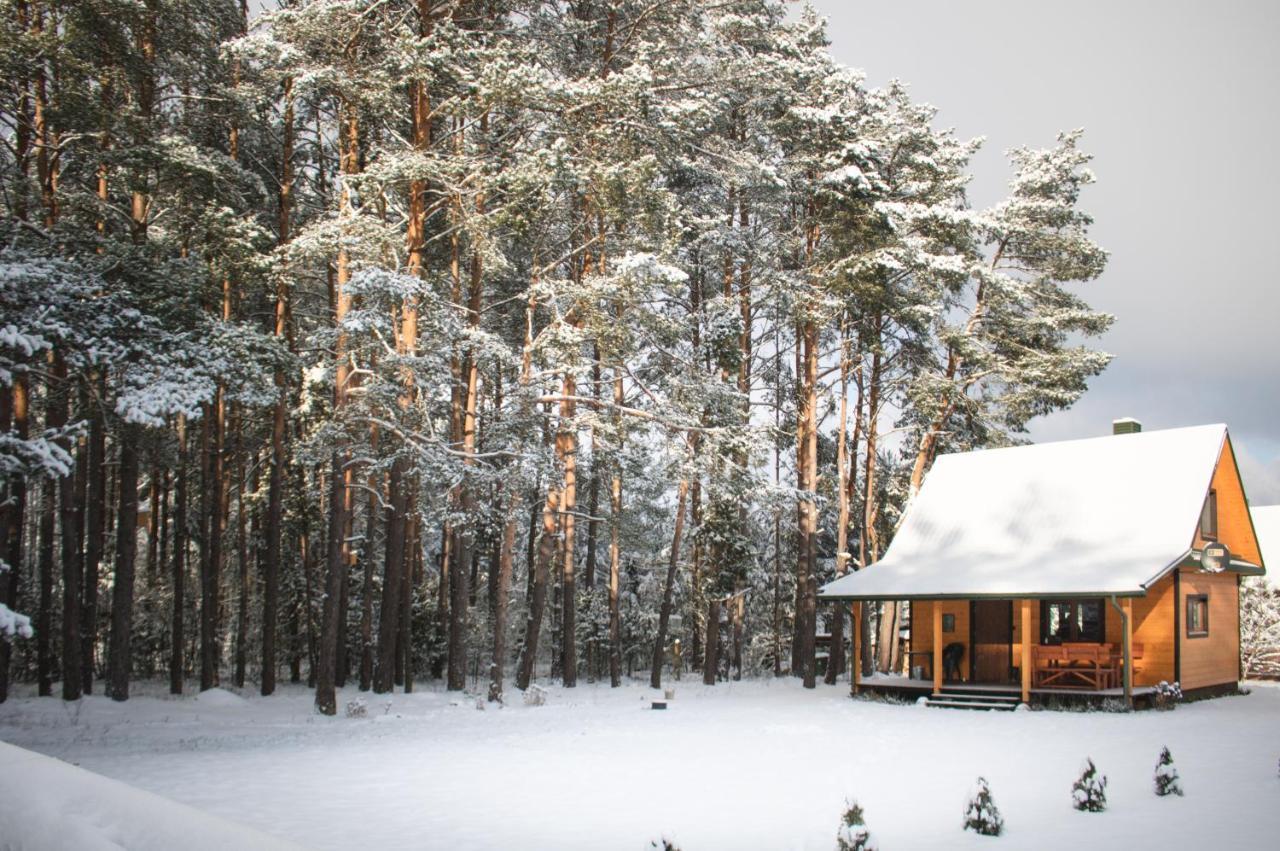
x=907 y=687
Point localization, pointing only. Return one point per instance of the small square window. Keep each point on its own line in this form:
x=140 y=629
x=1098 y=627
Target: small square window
x=1197 y=615
x=948 y=623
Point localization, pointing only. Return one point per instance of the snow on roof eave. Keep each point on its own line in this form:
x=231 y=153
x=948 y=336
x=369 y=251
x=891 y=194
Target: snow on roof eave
x=1140 y=591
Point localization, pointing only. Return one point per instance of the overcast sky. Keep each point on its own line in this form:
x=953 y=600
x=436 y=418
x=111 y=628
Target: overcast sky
x=1179 y=105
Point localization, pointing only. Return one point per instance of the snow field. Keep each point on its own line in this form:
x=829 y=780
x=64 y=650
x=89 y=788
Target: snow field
x=763 y=764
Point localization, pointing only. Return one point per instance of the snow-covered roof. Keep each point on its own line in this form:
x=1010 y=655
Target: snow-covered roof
x=1107 y=515
x=1266 y=523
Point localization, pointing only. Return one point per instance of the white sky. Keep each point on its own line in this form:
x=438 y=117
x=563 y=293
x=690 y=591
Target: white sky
x=1178 y=100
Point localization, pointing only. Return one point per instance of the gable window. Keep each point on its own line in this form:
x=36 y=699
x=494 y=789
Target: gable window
x=1197 y=615
x=1209 y=517
x=1068 y=621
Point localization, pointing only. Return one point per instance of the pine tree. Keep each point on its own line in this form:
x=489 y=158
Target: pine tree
x=853 y=834
x=1167 y=781
x=1089 y=792
x=981 y=815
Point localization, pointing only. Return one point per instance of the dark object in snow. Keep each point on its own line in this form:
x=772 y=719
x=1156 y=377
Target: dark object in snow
x=1167 y=780
x=951 y=656
x=853 y=834
x=982 y=816
x=1089 y=792
x=667 y=845
x=659 y=704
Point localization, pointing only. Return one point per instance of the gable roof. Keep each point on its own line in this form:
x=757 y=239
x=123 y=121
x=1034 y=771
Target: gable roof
x=1101 y=516
x=1266 y=524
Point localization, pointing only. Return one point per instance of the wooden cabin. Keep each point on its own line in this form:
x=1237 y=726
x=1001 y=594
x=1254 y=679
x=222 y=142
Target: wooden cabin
x=1102 y=566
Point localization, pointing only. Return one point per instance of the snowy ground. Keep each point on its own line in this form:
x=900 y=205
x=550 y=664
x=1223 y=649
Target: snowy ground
x=750 y=765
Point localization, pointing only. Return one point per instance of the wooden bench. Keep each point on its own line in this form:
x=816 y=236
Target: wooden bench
x=1084 y=666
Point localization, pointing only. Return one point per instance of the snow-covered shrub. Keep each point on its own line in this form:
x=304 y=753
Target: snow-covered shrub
x=535 y=695
x=1168 y=695
x=357 y=708
x=1089 y=792
x=853 y=834
x=664 y=844
x=1167 y=780
x=982 y=816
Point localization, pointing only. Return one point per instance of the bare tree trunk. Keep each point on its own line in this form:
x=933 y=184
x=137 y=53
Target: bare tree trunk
x=120 y=655
x=501 y=598
x=835 y=659
x=711 y=663
x=340 y=486
x=668 y=588
x=16 y=409
x=806 y=543
x=538 y=603
x=279 y=421
x=44 y=571
x=95 y=512
x=242 y=563
x=72 y=546
x=176 y=665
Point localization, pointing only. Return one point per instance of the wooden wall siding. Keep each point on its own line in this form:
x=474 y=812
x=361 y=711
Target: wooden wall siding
x=1153 y=628
x=1235 y=529
x=922 y=626
x=1213 y=659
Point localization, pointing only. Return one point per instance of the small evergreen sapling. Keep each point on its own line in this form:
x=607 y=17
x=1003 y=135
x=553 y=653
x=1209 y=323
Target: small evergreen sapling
x=853 y=834
x=982 y=815
x=1089 y=793
x=1167 y=780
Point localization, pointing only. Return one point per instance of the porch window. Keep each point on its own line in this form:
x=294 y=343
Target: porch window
x=1197 y=615
x=1068 y=621
x=948 y=623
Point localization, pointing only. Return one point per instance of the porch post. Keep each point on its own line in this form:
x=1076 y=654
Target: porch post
x=937 y=647
x=855 y=664
x=1126 y=632
x=1127 y=609
x=1025 y=611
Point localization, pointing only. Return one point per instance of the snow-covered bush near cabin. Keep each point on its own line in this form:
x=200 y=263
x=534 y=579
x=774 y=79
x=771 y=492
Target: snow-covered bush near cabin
x=1167 y=780
x=1168 y=695
x=853 y=834
x=357 y=708
x=982 y=816
x=1089 y=792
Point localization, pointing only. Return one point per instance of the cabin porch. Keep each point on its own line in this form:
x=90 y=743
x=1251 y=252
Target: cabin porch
x=1024 y=647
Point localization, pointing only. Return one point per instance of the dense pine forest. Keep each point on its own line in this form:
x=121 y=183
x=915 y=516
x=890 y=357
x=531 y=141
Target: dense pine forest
x=487 y=341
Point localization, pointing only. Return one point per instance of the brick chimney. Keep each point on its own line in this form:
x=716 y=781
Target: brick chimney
x=1126 y=425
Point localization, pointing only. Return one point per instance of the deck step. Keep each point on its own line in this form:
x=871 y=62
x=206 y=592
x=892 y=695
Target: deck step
x=975 y=694
x=949 y=702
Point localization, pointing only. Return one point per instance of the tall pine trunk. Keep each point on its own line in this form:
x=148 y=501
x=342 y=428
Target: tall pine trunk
x=120 y=659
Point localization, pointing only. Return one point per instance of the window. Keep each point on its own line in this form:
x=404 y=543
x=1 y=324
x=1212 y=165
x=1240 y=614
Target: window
x=1197 y=615
x=1209 y=517
x=1071 y=621
x=948 y=623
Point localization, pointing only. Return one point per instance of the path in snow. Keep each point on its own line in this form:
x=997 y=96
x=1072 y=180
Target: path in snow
x=739 y=766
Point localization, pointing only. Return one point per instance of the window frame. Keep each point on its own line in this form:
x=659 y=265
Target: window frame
x=1074 y=605
x=948 y=622
x=1194 y=600
x=1209 y=516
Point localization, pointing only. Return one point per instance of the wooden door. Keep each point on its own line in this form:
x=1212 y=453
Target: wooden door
x=992 y=640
